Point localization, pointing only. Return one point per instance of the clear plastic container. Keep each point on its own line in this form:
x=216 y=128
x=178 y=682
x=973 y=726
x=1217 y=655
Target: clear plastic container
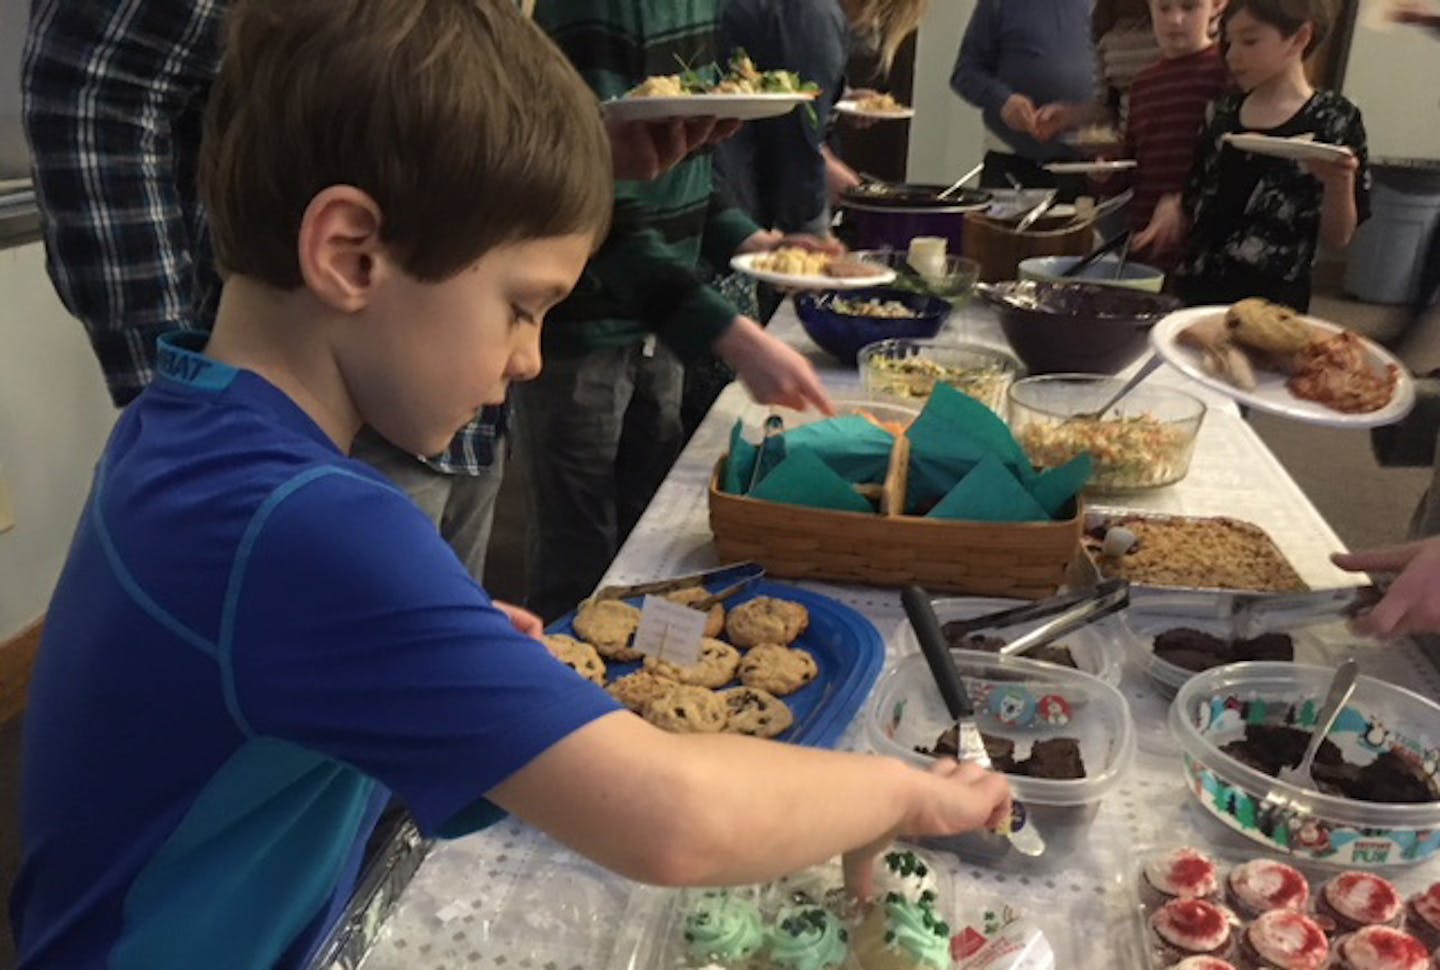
x=1212 y=709
x=1023 y=701
x=1145 y=441
x=906 y=371
x=1096 y=647
x=1144 y=625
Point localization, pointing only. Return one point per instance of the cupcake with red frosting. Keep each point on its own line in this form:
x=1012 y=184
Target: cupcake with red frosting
x=1355 y=899
x=1264 y=885
x=1182 y=874
x=1283 y=939
x=1422 y=916
x=1202 y=963
x=1192 y=927
x=1381 y=948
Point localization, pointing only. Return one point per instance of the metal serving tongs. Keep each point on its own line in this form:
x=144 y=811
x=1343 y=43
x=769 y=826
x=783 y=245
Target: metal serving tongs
x=737 y=578
x=1254 y=613
x=1070 y=611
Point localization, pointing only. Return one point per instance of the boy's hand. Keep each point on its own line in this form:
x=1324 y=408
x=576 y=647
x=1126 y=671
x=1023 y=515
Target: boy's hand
x=644 y=150
x=963 y=797
x=772 y=371
x=1019 y=113
x=1339 y=173
x=1166 y=229
x=768 y=239
x=1412 y=604
x=522 y=619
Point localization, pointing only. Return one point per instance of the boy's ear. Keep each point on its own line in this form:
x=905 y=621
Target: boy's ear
x=339 y=247
x=1304 y=34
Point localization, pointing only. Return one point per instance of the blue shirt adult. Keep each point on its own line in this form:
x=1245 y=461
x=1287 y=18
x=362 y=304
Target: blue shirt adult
x=774 y=168
x=254 y=638
x=1038 y=48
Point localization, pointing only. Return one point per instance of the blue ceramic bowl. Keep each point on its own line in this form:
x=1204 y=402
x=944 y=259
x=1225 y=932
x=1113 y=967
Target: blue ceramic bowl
x=843 y=334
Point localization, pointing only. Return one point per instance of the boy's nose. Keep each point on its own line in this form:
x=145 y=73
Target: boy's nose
x=525 y=363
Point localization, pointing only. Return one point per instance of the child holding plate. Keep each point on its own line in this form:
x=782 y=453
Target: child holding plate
x=1252 y=222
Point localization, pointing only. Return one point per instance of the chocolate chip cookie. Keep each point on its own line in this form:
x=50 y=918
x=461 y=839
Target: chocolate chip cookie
x=578 y=656
x=637 y=690
x=779 y=670
x=714 y=617
x=756 y=712
x=609 y=626
x=766 y=620
x=715 y=668
x=687 y=709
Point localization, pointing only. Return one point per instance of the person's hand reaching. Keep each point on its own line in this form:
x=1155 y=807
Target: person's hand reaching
x=522 y=619
x=772 y=370
x=1412 y=603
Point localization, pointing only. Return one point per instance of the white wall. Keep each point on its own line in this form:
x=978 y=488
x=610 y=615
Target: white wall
x=54 y=416
x=947 y=135
x=1394 y=76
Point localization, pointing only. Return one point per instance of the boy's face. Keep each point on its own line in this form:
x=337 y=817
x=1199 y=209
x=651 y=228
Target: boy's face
x=1181 y=26
x=1257 y=51
x=431 y=355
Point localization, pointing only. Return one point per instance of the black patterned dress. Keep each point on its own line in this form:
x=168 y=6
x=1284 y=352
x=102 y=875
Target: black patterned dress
x=1255 y=218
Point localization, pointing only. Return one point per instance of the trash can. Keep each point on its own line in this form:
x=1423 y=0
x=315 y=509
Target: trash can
x=1389 y=247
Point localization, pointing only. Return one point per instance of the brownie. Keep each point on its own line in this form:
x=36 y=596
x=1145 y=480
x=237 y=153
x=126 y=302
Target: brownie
x=1381 y=948
x=1192 y=927
x=1422 y=916
x=1050 y=653
x=1267 y=646
x=1395 y=779
x=1057 y=758
x=1196 y=650
x=1390 y=779
x=1000 y=750
x=1285 y=940
x=1355 y=899
x=1269 y=747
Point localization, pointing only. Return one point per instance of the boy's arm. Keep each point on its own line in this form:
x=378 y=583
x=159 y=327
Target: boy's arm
x=720 y=809
x=1346 y=201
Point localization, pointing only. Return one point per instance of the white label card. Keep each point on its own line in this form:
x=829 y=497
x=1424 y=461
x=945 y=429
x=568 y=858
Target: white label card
x=670 y=631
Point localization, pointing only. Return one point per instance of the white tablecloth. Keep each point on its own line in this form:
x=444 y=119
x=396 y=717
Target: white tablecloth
x=511 y=897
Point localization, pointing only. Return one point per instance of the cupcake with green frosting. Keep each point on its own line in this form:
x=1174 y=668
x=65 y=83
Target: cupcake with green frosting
x=722 y=928
x=808 y=938
x=906 y=874
x=901 y=934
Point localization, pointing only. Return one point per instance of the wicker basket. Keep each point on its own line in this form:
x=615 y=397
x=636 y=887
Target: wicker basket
x=1026 y=560
x=999 y=249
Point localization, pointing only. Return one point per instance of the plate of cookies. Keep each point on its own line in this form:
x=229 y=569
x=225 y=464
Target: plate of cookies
x=1268 y=357
x=776 y=662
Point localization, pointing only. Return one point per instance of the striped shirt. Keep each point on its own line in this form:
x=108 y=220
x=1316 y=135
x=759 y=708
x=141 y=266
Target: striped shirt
x=1170 y=102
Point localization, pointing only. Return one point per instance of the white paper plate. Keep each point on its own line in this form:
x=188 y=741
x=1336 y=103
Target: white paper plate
x=745 y=107
x=1088 y=168
x=1270 y=393
x=1300 y=149
x=745 y=263
x=852 y=107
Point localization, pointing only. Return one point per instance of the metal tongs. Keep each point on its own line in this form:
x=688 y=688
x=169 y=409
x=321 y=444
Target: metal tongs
x=1254 y=613
x=733 y=580
x=1070 y=611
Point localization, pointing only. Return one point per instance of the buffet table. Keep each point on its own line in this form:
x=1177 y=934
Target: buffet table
x=511 y=897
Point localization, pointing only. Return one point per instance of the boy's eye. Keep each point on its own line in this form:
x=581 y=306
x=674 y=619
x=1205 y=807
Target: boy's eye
x=520 y=315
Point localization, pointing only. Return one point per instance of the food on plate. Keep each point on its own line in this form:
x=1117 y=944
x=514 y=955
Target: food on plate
x=1196 y=650
x=609 y=626
x=1334 y=370
x=1422 y=916
x=1192 y=927
x=725 y=927
x=1058 y=759
x=637 y=690
x=1265 y=885
x=741 y=77
x=1355 y=899
x=883 y=103
x=1183 y=873
x=715 y=666
x=793 y=261
x=750 y=710
x=903 y=934
x=578 y=656
x=1095 y=135
x=808 y=938
x=907 y=875
x=779 y=670
x=851 y=267
x=766 y=619
x=1283 y=940
x=1391 y=778
x=687 y=709
x=715 y=617
x=1209 y=553
x=1381 y=948
x=915 y=377
x=1050 y=653
x=1129 y=452
x=879 y=309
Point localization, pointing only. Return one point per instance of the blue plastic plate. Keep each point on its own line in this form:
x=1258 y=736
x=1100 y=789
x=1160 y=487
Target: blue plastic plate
x=847 y=648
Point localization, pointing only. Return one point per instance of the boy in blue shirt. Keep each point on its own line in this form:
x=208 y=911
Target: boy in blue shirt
x=255 y=637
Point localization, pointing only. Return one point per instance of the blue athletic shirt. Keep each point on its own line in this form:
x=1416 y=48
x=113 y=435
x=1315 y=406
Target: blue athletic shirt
x=254 y=638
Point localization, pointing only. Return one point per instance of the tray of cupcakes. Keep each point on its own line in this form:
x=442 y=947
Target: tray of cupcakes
x=920 y=918
x=775 y=661
x=1237 y=911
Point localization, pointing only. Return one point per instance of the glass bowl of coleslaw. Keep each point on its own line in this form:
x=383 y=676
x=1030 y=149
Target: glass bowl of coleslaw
x=1146 y=441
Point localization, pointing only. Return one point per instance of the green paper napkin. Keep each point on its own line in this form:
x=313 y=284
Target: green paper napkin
x=741 y=463
x=857 y=450
x=1057 y=488
x=803 y=479
x=990 y=493
x=950 y=413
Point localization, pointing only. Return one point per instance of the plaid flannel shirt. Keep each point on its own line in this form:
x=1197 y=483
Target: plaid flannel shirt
x=113 y=98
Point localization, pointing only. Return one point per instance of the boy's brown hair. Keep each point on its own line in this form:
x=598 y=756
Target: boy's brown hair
x=1288 y=16
x=458 y=117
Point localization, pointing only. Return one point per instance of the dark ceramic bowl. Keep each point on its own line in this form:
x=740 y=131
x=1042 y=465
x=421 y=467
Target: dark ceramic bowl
x=1084 y=328
x=842 y=334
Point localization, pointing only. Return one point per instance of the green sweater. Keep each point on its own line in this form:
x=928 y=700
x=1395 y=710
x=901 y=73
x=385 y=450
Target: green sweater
x=643 y=280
